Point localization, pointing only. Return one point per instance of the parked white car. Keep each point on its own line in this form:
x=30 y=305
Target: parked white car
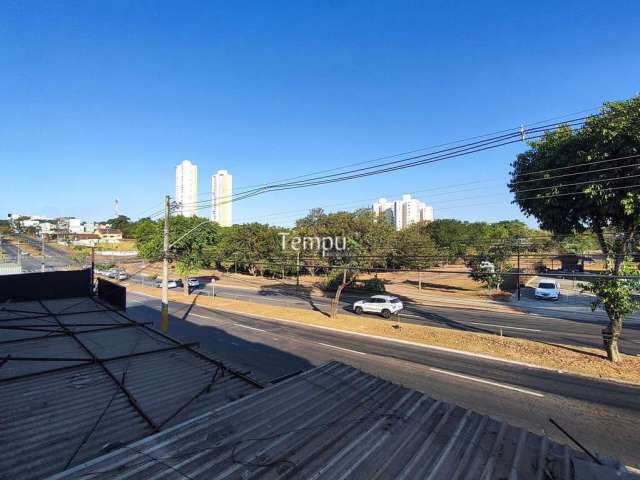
x=548 y=290
x=193 y=282
x=170 y=284
x=122 y=276
x=386 y=305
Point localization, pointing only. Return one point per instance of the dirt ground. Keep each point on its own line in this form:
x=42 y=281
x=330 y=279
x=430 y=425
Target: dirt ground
x=578 y=360
x=453 y=281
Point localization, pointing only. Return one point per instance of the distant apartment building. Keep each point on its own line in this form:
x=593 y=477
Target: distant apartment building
x=404 y=212
x=221 y=192
x=187 y=188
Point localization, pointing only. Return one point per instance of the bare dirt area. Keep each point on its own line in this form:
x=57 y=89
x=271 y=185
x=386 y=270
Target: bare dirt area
x=578 y=360
x=447 y=281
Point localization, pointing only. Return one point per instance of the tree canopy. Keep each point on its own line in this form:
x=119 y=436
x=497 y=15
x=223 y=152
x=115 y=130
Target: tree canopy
x=571 y=180
x=587 y=178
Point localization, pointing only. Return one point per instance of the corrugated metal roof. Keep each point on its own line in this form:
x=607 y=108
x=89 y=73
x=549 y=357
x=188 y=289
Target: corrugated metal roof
x=60 y=407
x=336 y=422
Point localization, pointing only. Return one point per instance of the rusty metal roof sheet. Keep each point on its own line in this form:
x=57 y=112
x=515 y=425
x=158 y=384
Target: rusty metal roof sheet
x=336 y=422
x=76 y=375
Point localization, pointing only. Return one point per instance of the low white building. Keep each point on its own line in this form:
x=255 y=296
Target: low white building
x=46 y=228
x=75 y=225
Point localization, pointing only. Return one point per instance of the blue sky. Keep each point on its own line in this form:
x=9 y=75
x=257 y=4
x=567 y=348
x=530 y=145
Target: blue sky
x=103 y=99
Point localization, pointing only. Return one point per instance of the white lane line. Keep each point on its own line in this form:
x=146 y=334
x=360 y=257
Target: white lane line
x=487 y=382
x=505 y=326
x=340 y=348
x=200 y=316
x=250 y=328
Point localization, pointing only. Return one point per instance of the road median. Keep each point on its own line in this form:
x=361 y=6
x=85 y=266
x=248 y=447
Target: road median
x=564 y=358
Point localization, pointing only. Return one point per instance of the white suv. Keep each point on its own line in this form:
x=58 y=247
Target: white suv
x=383 y=304
x=548 y=289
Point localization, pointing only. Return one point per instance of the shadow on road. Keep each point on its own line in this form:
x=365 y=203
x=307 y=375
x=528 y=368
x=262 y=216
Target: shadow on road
x=302 y=292
x=260 y=361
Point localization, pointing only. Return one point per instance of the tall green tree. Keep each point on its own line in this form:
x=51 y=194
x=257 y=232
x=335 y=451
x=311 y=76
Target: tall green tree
x=367 y=244
x=251 y=247
x=574 y=180
x=414 y=248
x=191 y=238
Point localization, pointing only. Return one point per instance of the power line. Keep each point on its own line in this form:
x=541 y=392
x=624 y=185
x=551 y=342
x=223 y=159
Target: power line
x=398 y=164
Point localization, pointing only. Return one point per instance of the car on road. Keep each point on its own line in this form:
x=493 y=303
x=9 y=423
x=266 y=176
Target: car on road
x=548 y=290
x=170 y=284
x=386 y=305
x=193 y=282
x=113 y=273
x=122 y=276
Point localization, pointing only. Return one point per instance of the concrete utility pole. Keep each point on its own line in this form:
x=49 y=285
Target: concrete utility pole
x=164 y=313
x=93 y=268
x=42 y=264
x=518 y=246
x=298 y=270
x=520 y=242
x=19 y=256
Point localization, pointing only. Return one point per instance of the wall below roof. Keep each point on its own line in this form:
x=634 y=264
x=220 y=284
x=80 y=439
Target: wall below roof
x=45 y=285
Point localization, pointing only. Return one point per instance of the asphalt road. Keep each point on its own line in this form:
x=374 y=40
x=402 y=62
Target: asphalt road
x=54 y=259
x=604 y=416
x=541 y=328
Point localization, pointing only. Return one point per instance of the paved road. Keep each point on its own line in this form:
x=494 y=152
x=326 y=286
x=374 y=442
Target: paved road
x=543 y=328
x=603 y=415
x=55 y=259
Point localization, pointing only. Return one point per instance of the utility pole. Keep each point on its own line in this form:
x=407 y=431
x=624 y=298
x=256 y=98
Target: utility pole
x=19 y=256
x=42 y=264
x=298 y=270
x=164 y=318
x=518 y=249
x=520 y=242
x=93 y=268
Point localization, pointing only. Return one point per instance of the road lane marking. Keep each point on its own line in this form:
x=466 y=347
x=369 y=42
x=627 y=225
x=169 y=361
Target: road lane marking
x=505 y=326
x=399 y=341
x=250 y=328
x=487 y=382
x=340 y=348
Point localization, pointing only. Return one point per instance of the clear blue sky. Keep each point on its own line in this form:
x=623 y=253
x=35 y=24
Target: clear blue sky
x=103 y=99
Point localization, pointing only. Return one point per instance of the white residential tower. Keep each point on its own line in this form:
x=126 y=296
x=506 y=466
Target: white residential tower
x=221 y=193
x=186 y=188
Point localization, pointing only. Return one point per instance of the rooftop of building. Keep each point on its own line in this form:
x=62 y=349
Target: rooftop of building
x=108 y=231
x=336 y=422
x=77 y=374
x=89 y=393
